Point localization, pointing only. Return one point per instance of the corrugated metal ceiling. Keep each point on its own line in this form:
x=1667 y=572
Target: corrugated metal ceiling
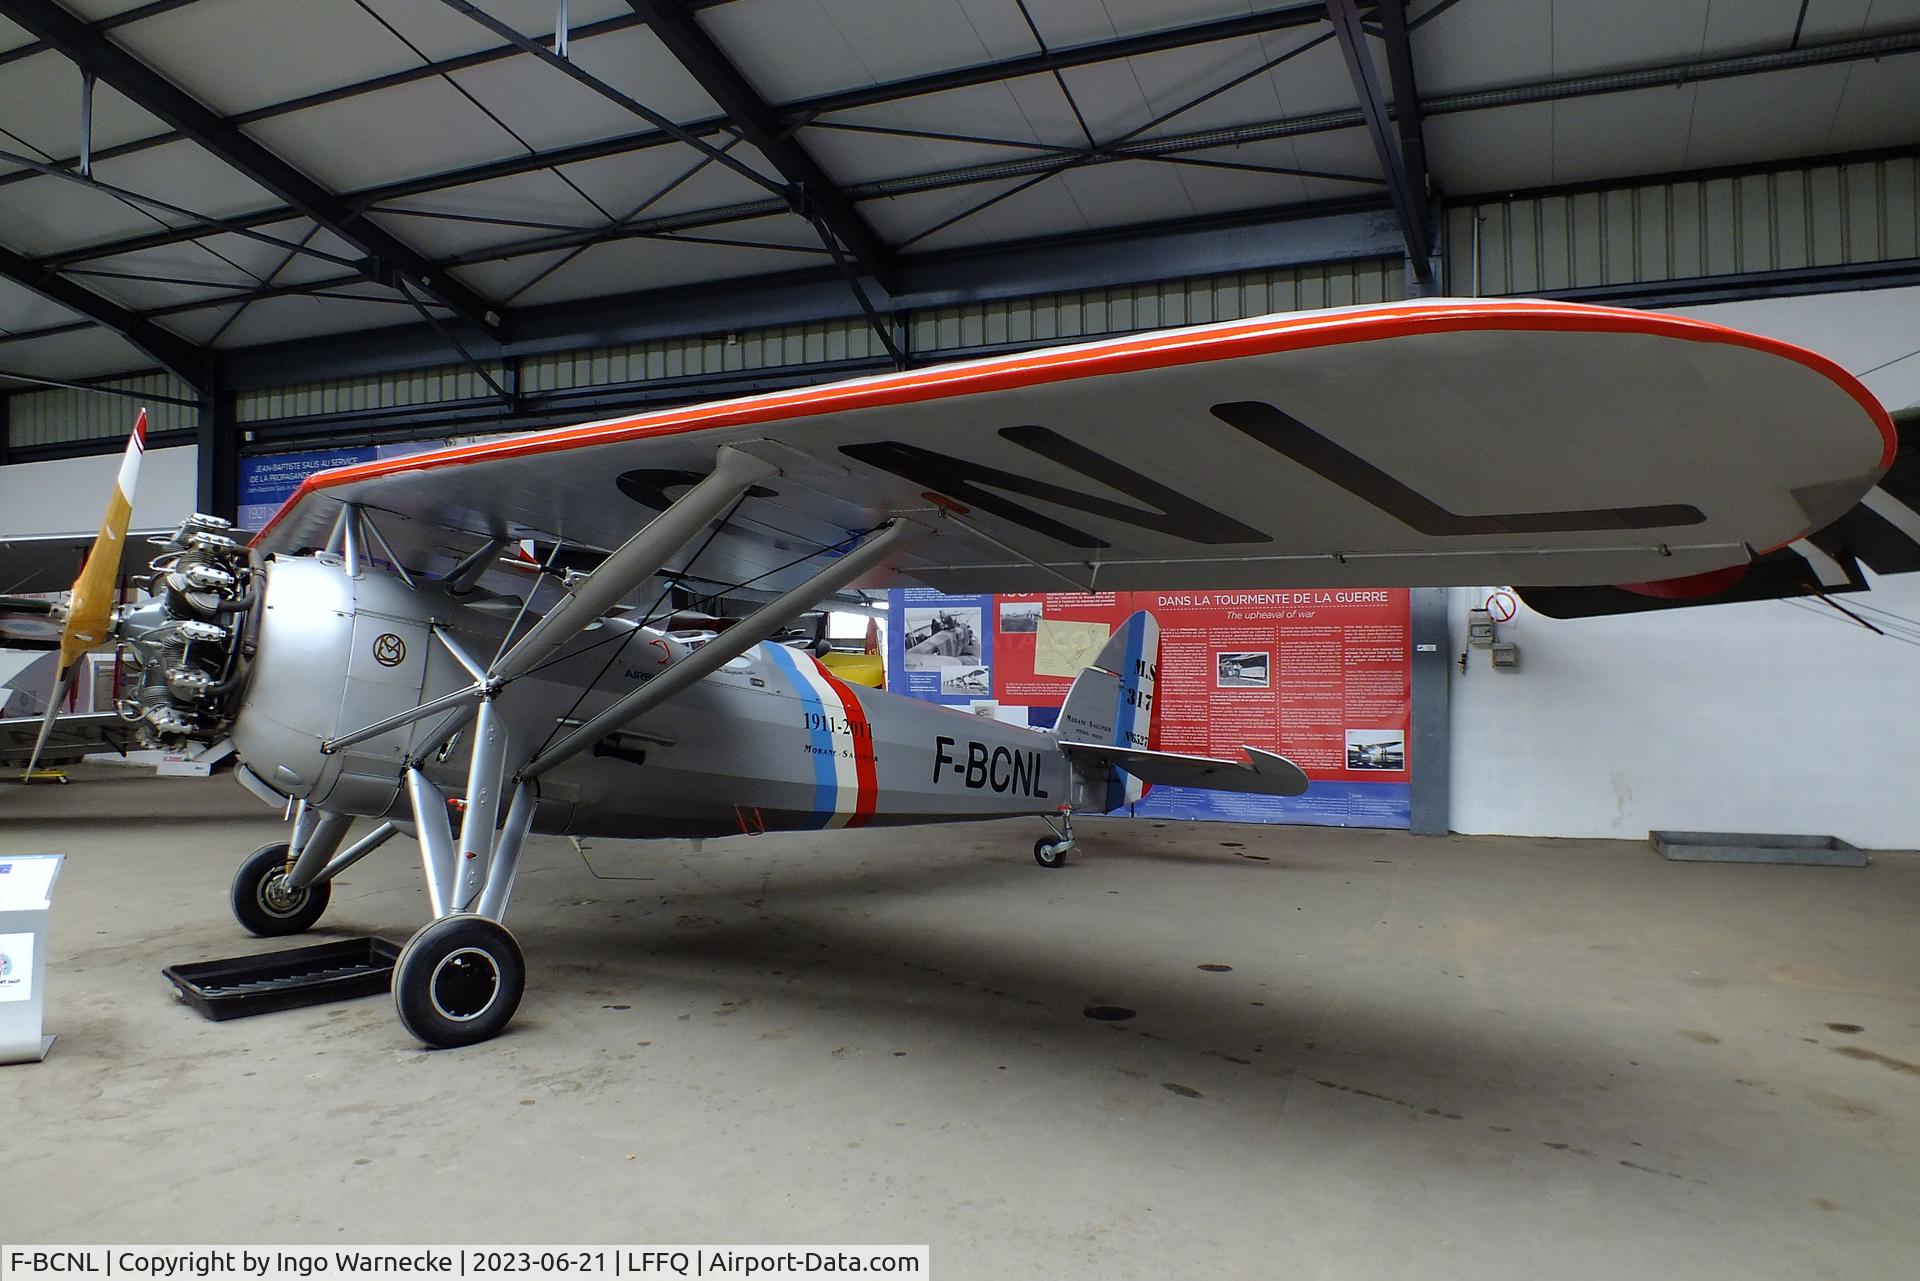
x=946 y=125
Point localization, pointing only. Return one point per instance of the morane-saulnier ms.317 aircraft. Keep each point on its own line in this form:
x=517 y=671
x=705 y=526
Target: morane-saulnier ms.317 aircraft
x=365 y=661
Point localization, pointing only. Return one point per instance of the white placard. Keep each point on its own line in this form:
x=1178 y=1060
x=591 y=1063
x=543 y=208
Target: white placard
x=26 y=880
x=16 y=967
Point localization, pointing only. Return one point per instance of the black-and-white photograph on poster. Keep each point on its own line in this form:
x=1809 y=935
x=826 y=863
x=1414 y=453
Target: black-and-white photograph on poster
x=974 y=681
x=1019 y=615
x=942 y=637
x=1242 y=669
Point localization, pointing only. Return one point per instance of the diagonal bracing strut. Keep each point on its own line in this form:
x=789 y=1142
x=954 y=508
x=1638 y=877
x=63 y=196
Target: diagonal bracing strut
x=733 y=642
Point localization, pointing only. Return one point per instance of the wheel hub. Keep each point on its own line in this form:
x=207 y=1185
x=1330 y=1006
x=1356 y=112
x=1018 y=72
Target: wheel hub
x=279 y=897
x=464 y=984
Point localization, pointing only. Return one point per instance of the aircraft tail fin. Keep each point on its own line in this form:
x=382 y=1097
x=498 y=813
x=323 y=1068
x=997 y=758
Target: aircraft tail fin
x=1107 y=720
x=1111 y=705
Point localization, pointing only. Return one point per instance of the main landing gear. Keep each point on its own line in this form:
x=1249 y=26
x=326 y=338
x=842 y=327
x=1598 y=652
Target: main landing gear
x=458 y=981
x=1052 y=854
x=460 y=978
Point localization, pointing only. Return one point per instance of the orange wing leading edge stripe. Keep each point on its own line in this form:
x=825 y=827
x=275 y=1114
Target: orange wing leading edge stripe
x=1123 y=355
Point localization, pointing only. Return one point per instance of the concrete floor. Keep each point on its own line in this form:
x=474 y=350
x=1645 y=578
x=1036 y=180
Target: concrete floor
x=1430 y=1058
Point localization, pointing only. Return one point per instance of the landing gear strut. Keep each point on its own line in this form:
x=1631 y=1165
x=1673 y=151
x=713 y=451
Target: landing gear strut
x=1052 y=854
x=283 y=888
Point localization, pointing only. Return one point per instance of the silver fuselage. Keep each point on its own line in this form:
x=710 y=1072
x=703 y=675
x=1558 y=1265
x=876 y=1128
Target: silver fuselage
x=768 y=743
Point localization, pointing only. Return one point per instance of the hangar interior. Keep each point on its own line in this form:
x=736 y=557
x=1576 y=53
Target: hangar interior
x=285 y=227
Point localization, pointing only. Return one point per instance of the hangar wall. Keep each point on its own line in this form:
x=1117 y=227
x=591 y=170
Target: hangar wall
x=67 y=415
x=584 y=383
x=67 y=495
x=1764 y=717
x=1797 y=218
x=1772 y=716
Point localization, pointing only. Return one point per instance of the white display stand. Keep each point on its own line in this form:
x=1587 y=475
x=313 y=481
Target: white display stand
x=26 y=893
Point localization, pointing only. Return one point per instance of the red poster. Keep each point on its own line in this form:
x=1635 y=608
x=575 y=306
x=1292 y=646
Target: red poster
x=1322 y=676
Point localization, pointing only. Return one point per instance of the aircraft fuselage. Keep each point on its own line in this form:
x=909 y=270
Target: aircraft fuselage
x=772 y=741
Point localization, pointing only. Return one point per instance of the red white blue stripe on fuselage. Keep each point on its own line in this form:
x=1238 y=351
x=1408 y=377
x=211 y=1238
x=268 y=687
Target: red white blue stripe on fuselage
x=839 y=739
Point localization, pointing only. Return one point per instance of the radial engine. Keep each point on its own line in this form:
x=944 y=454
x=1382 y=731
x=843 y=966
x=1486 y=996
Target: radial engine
x=189 y=642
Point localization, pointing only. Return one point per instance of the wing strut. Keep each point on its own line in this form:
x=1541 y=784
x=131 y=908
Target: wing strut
x=635 y=561
x=733 y=642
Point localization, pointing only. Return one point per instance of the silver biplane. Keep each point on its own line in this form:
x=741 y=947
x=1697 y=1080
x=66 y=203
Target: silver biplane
x=366 y=659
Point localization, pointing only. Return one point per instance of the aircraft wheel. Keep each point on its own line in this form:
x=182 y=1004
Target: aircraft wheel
x=1049 y=854
x=265 y=905
x=458 y=981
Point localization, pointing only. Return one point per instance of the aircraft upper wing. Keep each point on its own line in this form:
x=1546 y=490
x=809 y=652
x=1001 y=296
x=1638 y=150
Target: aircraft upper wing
x=1881 y=534
x=1424 y=443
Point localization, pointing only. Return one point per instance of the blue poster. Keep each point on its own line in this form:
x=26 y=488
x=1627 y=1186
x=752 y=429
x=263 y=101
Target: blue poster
x=940 y=647
x=268 y=480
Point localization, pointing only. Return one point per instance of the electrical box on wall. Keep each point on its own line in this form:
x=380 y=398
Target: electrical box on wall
x=1479 y=628
x=1506 y=657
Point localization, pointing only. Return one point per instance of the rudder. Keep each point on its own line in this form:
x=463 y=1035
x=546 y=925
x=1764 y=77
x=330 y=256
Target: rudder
x=1111 y=702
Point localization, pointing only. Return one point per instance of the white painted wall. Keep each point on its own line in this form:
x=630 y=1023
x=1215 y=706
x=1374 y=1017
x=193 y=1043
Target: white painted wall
x=1765 y=717
x=67 y=495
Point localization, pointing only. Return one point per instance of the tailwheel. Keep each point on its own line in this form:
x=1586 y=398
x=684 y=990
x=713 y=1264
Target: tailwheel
x=458 y=981
x=1050 y=854
x=265 y=904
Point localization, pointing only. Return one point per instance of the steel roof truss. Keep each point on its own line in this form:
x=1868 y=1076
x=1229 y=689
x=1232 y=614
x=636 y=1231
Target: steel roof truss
x=1409 y=204
x=153 y=93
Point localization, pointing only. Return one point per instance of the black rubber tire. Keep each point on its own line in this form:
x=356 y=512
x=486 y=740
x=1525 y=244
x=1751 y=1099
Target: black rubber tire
x=1045 y=856
x=256 y=911
x=458 y=981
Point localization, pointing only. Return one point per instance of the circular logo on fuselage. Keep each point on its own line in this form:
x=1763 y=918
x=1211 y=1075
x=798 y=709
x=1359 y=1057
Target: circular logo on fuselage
x=389 y=650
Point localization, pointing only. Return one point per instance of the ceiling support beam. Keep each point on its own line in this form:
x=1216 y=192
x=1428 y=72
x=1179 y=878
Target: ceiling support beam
x=1409 y=203
x=135 y=14
x=1407 y=116
x=172 y=352
x=1551 y=90
x=320 y=98
x=1061 y=59
x=817 y=197
x=391 y=260
x=217 y=454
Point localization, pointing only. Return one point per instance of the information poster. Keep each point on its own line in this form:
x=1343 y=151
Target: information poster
x=268 y=480
x=940 y=647
x=1322 y=676
x=16 y=967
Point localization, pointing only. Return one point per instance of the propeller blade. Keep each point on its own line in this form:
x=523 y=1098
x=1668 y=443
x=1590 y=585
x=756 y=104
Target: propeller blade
x=90 y=612
x=89 y=620
x=60 y=684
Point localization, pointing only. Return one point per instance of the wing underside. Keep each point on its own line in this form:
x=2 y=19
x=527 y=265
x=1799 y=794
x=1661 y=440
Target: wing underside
x=71 y=738
x=1416 y=444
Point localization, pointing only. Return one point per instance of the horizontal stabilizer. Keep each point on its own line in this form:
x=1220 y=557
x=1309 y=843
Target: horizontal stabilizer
x=1263 y=773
